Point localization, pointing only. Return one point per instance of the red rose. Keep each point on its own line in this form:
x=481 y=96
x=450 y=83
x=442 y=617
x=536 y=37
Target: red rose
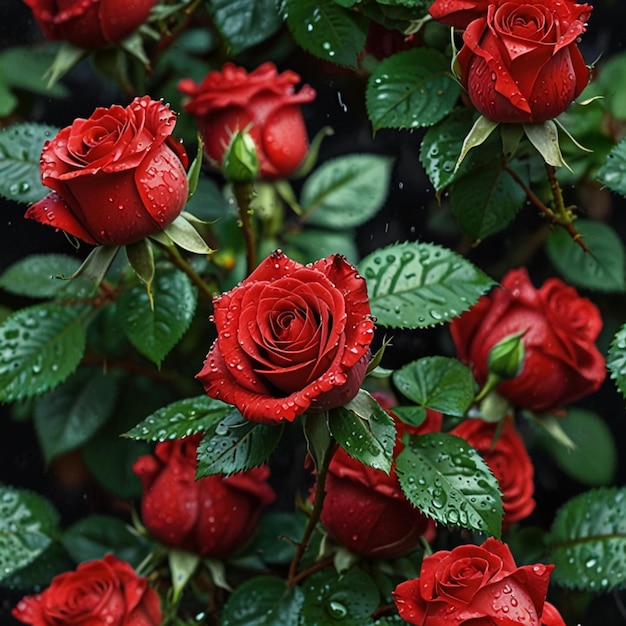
x=90 y=24
x=508 y=460
x=107 y=591
x=474 y=585
x=264 y=101
x=520 y=61
x=366 y=509
x=211 y=516
x=291 y=338
x=562 y=363
x=117 y=177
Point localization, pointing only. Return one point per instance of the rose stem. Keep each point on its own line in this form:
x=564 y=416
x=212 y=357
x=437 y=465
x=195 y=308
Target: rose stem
x=318 y=503
x=563 y=216
x=243 y=194
x=177 y=259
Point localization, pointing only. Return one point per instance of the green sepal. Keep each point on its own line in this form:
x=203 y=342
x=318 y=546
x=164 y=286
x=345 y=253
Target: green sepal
x=183 y=566
x=183 y=234
x=66 y=58
x=97 y=264
x=478 y=134
x=141 y=258
x=193 y=173
x=545 y=138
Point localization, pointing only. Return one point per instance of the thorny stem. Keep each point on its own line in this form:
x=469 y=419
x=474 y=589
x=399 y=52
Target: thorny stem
x=563 y=215
x=177 y=259
x=318 y=503
x=244 y=193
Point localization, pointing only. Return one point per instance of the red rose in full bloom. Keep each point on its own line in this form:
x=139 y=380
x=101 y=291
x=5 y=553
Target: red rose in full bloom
x=107 y=591
x=562 y=363
x=475 y=585
x=263 y=101
x=291 y=339
x=366 y=510
x=90 y=23
x=520 y=61
x=508 y=460
x=212 y=516
x=116 y=177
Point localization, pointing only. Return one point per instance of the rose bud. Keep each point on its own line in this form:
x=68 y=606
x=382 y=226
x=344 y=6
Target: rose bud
x=241 y=164
x=290 y=339
x=117 y=177
x=520 y=61
x=106 y=591
x=212 y=516
x=366 y=510
x=263 y=102
x=506 y=455
x=561 y=364
x=475 y=585
x=92 y=24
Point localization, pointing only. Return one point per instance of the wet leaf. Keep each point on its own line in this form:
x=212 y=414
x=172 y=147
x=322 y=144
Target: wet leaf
x=417 y=285
x=40 y=346
x=449 y=481
x=27 y=524
x=411 y=89
x=616 y=362
x=587 y=543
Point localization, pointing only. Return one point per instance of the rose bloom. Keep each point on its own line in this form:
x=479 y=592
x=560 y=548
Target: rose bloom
x=107 y=591
x=290 y=339
x=366 y=510
x=212 y=516
x=520 y=61
x=477 y=585
x=90 y=24
x=117 y=177
x=562 y=363
x=508 y=460
x=262 y=101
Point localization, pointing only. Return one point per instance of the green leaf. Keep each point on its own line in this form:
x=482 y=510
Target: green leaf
x=277 y=535
x=616 y=361
x=40 y=346
x=23 y=67
x=588 y=541
x=331 y=598
x=181 y=419
x=155 y=331
x=485 y=199
x=20 y=149
x=245 y=23
x=263 y=601
x=311 y=244
x=594 y=460
x=602 y=269
x=235 y=444
x=38 y=275
x=411 y=415
x=326 y=30
x=28 y=523
x=411 y=89
x=365 y=431
x=54 y=560
x=440 y=383
x=71 y=414
x=416 y=285
x=613 y=173
x=94 y=536
x=346 y=191
x=441 y=147
x=449 y=481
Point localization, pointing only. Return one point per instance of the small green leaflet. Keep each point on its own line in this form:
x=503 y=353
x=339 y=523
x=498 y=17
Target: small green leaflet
x=616 y=362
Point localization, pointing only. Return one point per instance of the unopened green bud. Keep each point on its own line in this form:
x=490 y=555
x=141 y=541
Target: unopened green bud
x=506 y=358
x=241 y=164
